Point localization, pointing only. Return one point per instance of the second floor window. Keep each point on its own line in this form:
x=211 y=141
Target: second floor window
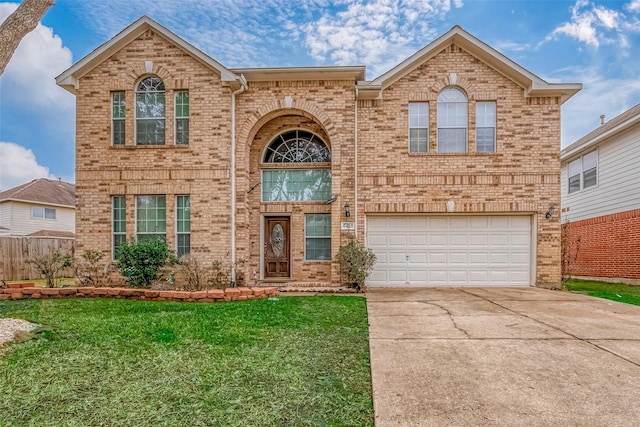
x=117 y=118
x=418 y=127
x=452 y=121
x=150 y=112
x=182 y=117
x=485 y=127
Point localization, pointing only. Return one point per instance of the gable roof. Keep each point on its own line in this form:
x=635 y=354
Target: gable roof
x=70 y=78
x=616 y=125
x=42 y=190
x=532 y=84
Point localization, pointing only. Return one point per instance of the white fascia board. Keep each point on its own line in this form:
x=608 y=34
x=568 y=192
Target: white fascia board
x=566 y=155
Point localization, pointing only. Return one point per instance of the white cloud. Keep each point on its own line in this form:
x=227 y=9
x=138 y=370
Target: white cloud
x=634 y=6
x=378 y=33
x=581 y=114
x=19 y=165
x=31 y=73
x=593 y=25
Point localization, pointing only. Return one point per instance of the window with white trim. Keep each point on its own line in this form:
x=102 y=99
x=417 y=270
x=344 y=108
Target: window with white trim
x=150 y=111
x=151 y=217
x=418 y=127
x=182 y=117
x=42 y=212
x=118 y=112
x=485 y=127
x=452 y=121
x=183 y=225
x=583 y=172
x=317 y=237
x=119 y=223
x=304 y=171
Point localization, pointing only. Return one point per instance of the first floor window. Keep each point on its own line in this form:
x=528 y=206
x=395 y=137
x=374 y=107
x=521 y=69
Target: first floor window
x=42 y=212
x=317 y=237
x=182 y=117
x=151 y=217
x=183 y=225
x=119 y=223
x=485 y=127
x=418 y=127
x=117 y=118
x=296 y=185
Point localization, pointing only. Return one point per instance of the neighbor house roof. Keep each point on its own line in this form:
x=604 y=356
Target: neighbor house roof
x=616 y=125
x=70 y=79
x=532 y=84
x=43 y=191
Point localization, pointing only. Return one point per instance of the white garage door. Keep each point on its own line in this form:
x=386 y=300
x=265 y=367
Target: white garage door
x=450 y=250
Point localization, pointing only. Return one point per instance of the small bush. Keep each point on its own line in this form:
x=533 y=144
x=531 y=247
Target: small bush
x=140 y=261
x=356 y=262
x=196 y=273
x=50 y=265
x=89 y=270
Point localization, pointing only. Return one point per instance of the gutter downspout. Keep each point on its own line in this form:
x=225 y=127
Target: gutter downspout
x=243 y=87
x=355 y=164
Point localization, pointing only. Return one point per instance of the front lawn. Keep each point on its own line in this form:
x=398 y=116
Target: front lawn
x=293 y=361
x=613 y=291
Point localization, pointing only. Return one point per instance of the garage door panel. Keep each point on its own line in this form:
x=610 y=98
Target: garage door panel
x=450 y=250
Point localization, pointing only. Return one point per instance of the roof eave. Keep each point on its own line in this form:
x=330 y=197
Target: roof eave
x=69 y=79
x=60 y=205
x=351 y=73
x=562 y=90
x=598 y=139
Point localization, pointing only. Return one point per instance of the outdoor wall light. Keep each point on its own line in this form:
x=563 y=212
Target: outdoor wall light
x=549 y=213
x=347 y=212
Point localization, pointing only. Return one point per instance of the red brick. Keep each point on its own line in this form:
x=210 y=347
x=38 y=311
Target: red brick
x=244 y=291
x=232 y=292
x=50 y=291
x=151 y=293
x=68 y=291
x=4 y=297
x=30 y=291
x=180 y=295
x=199 y=294
x=215 y=293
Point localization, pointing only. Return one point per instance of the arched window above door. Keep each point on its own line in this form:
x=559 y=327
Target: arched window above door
x=297 y=146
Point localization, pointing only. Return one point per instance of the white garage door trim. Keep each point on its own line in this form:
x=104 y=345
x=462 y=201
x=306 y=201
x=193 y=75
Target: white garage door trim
x=451 y=250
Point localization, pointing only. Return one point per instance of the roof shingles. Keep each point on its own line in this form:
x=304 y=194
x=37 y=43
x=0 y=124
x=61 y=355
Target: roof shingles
x=42 y=190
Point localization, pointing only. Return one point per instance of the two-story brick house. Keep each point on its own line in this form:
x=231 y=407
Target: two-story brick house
x=445 y=166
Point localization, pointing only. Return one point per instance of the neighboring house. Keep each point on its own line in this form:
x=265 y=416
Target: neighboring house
x=42 y=208
x=445 y=166
x=601 y=200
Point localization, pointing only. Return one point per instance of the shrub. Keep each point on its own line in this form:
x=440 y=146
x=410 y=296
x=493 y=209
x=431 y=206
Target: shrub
x=49 y=265
x=89 y=271
x=196 y=273
x=140 y=261
x=356 y=262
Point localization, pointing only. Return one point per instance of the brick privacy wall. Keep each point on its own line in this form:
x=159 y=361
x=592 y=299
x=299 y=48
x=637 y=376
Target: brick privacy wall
x=522 y=176
x=607 y=246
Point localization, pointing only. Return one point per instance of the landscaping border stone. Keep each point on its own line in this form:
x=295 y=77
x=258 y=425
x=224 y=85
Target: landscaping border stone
x=210 y=295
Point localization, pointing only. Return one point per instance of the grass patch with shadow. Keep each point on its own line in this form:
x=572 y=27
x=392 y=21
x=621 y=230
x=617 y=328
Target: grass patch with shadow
x=620 y=292
x=294 y=361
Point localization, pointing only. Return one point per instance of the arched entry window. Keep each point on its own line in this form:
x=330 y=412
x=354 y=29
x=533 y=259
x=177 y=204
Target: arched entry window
x=150 y=111
x=305 y=172
x=452 y=121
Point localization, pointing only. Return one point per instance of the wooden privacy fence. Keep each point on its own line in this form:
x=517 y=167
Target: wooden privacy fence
x=16 y=251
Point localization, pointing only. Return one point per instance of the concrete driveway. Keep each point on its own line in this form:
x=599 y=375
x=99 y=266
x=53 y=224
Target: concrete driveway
x=503 y=357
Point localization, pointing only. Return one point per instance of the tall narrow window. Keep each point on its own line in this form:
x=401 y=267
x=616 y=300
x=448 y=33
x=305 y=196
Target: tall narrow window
x=151 y=217
x=182 y=117
x=574 y=175
x=117 y=118
x=119 y=223
x=317 y=237
x=590 y=169
x=485 y=127
x=150 y=111
x=183 y=225
x=452 y=121
x=418 y=127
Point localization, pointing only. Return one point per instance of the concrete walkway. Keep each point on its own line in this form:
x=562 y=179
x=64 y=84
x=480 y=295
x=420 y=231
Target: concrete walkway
x=503 y=357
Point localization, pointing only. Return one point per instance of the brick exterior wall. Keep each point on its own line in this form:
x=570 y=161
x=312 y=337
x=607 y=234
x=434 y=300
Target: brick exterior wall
x=522 y=177
x=607 y=247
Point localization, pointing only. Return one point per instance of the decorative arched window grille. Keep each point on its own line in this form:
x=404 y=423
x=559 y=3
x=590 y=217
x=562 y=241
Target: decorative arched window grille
x=452 y=121
x=297 y=146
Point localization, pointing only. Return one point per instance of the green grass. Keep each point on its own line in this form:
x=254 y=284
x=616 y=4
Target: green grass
x=614 y=291
x=297 y=361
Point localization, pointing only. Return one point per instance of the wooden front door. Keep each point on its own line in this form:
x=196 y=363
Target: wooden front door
x=276 y=247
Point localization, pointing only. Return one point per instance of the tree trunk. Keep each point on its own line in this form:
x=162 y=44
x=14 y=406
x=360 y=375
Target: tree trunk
x=19 y=24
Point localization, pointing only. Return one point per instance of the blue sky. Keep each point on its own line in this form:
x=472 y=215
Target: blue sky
x=596 y=43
